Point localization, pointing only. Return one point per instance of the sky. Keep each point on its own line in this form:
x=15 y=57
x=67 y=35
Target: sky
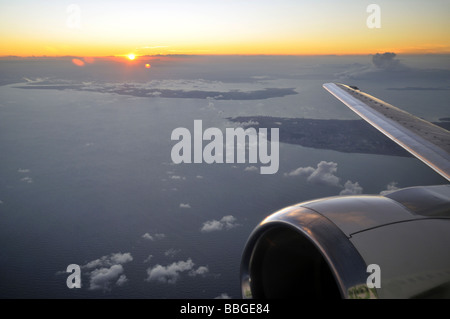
x=282 y=27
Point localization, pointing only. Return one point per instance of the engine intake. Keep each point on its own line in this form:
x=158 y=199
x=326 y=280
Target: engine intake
x=298 y=253
x=322 y=248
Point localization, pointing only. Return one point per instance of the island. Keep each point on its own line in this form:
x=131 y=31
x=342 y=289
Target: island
x=347 y=136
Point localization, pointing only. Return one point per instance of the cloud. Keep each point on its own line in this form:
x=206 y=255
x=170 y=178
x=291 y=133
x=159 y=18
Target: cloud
x=387 y=61
x=122 y=280
x=153 y=237
x=387 y=66
x=323 y=174
x=171 y=252
x=121 y=258
x=251 y=169
x=171 y=273
x=148 y=259
x=177 y=177
x=301 y=171
x=23 y=170
x=391 y=187
x=107 y=271
x=27 y=179
x=223 y=296
x=102 y=278
x=200 y=271
x=109 y=260
x=351 y=188
x=227 y=222
x=185 y=205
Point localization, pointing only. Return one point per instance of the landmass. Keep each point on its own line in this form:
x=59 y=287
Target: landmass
x=347 y=136
x=132 y=90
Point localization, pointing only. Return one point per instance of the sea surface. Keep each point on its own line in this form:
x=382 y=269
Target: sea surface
x=87 y=178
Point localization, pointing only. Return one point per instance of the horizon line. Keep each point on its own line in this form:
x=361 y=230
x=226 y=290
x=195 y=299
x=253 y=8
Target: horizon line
x=218 y=55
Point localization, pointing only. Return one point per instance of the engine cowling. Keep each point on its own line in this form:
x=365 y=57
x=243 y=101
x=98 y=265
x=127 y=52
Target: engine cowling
x=322 y=248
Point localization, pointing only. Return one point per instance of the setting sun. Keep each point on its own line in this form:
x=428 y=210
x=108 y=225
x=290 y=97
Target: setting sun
x=131 y=56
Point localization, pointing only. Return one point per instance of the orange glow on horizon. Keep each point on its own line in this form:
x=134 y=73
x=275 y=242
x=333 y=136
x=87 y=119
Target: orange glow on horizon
x=235 y=27
x=87 y=53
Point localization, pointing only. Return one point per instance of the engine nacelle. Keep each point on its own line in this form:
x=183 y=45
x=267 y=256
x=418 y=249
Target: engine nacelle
x=322 y=248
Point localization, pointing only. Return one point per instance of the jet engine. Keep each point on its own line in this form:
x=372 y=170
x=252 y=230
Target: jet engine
x=392 y=246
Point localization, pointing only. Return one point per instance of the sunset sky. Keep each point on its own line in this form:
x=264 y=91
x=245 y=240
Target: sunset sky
x=294 y=27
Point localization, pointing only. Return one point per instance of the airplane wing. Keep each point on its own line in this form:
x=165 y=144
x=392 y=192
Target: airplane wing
x=330 y=247
x=326 y=248
x=426 y=141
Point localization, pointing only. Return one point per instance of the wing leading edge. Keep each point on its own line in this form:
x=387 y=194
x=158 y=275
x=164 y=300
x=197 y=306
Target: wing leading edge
x=426 y=141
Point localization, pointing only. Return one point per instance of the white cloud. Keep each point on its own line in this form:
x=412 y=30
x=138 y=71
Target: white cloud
x=148 y=258
x=153 y=237
x=351 y=188
x=323 y=174
x=185 y=205
x=200 y=271
x=251 y=169
x=171 y=273
x=223 y=296
x=301 y=171
x=148 y=236
x=122 y=280
x=177 y=177
x=213 y=225
x=103 y=278
x=23 y=170
x=120 y=258
x=27 y=179
x=109 y=260
x=107 y=270
x=227 y=222
x=391 y=187
x=171 y=252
